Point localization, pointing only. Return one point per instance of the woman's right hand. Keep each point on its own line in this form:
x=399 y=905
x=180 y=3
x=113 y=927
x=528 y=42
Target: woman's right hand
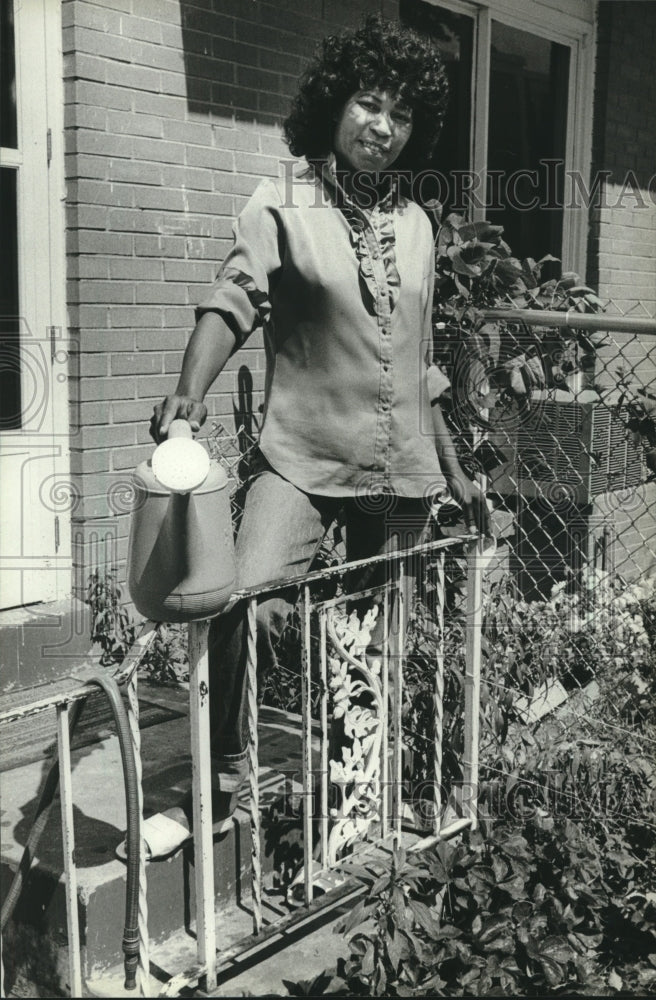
x=176 y=407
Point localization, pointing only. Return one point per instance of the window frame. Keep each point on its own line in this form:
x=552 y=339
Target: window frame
x=573 y=27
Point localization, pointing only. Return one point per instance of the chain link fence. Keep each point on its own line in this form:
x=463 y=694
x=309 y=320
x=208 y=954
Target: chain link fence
x=568 y=468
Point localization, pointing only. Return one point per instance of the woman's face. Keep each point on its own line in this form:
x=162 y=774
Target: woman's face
x=372 y=129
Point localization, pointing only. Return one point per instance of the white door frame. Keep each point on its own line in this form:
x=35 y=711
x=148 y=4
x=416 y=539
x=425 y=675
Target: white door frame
x=35 y=547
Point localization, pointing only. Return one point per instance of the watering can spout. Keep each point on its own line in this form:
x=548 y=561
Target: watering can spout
x=181 y=564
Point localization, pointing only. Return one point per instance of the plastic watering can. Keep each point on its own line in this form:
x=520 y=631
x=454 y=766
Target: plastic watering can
x=181 y=561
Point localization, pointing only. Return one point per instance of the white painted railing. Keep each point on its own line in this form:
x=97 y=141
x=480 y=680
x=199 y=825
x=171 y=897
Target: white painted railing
x=367 y=780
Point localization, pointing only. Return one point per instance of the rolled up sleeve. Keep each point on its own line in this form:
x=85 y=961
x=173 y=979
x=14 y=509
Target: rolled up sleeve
x=241 y=293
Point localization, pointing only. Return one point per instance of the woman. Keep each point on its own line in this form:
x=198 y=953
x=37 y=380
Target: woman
x=336 y=264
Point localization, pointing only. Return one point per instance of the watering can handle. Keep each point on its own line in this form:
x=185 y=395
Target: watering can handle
x=179 y=429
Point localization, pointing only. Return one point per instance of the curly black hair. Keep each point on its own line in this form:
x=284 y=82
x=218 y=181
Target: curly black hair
x=380 y=54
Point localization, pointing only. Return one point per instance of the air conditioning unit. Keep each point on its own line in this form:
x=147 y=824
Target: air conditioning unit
x=567 y=448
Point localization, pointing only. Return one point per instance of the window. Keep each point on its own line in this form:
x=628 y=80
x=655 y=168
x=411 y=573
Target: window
x=34 y=540
x=518 y=124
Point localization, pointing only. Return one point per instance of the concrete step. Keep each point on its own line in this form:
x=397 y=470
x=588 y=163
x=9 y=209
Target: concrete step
x=35 y=945
x=41 y=642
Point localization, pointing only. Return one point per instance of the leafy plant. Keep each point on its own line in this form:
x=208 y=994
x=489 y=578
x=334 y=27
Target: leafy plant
x=635 y=405
x=532 y=910
x=111 y=626
x=166 y=660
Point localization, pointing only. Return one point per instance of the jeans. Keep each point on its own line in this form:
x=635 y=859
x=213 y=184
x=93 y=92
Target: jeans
x=281 y=530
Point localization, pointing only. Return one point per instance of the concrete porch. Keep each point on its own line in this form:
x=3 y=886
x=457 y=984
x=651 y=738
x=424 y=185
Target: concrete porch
x=35 y=943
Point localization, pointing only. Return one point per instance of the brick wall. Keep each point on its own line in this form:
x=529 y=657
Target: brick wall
x=622 y=259
x=173 y=111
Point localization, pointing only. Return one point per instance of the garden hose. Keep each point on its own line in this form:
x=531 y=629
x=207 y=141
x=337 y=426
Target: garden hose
x=130 y=930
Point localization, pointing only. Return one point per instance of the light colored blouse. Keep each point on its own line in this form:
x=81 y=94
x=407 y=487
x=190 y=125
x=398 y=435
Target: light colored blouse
x=344 y=297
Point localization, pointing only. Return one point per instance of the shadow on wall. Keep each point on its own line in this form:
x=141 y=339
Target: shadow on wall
x=242 y=60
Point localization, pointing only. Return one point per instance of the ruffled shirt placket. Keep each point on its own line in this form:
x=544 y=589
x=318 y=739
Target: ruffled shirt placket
x=374 y=243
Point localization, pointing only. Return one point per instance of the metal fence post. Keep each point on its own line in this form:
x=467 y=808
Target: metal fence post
x=199 y=710
x=474 y=613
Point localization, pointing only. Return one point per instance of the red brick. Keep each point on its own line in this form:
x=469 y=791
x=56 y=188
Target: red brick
x=212 y=204
x=181 y=316
x=88 y=317
x=188 y=270
x=164 y=105
x=274 y=104
x=101 y=143
x=161 y=340
x=99 y=193
x=209 y=22
x=108 y=436
x=193 y=179
x=109 y=45
x=89 y=461
x=123 y=5
x=176 y=84
x=88 y=365
x=257 y=79
x=251 y=163
x=282 y=62
x=155 y=386
x=89 y=216
x=104 y=243
x=137 y=268
x=160 y=197
x=136 y=364
x=135 y=220
x=106 y=291
x=80 y=66
x=159 y=56
x=134 y=77
x=130 y=411
x=129 y=458
x=108 y=389
x=274 y=144
x=153 y=246
x=163 y=292
x=197 y=133
x=88 y=267
x=78 y=166
x=238 y=52
x=216 y=159
x=142 y=29
x=85 y=116
x=98 y=95
x=158 y=150
x=134 y=317
x=173 y=362
x=291 y=21
x=107 y=340
x=120 y=123
x=135 y=171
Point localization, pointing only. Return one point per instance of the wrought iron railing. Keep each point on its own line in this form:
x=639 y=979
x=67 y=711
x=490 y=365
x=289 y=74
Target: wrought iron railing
x=362 y=768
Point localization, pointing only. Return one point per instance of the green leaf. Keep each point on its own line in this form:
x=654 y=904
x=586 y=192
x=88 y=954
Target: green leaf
x=396 y=949
x=352 y=919
x=492 y=928
x=556 y=947
x=552 y=971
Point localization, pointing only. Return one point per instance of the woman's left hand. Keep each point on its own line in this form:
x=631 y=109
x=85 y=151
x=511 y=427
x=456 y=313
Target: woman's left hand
x=473 y=503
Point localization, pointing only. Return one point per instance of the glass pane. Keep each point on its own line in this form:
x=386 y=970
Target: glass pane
x=10 y=376
x=453 y=34
x=7 y=75
x=526 y=139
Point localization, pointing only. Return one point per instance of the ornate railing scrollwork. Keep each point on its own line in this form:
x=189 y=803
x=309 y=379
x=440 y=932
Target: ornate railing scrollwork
x=357 y=699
